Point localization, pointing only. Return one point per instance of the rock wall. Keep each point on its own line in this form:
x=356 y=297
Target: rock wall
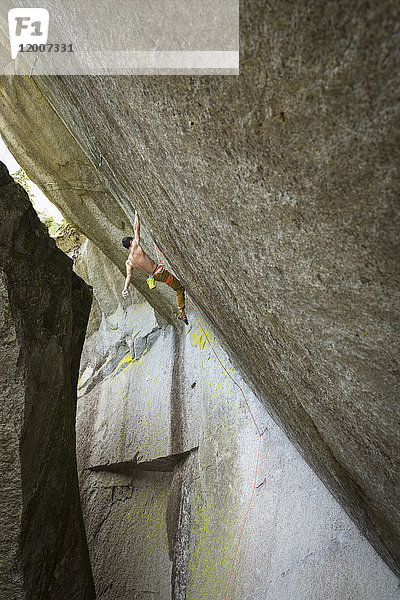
x=44 y=312
x=167 y=454
x=274 y=196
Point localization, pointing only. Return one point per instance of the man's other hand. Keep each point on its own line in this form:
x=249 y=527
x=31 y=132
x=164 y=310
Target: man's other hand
x=125 y=293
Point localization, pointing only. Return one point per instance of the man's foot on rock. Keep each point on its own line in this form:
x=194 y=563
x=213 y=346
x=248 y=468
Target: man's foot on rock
x=183 y=318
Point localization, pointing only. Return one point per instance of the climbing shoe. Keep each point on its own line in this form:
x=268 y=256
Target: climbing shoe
x=184 y=319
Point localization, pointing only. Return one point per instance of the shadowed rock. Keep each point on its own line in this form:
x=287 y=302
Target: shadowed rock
x=44 y=309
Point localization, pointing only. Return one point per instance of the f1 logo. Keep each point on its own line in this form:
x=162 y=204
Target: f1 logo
x=27 y=25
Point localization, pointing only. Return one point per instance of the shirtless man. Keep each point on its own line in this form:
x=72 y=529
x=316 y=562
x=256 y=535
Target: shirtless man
x=138 y=259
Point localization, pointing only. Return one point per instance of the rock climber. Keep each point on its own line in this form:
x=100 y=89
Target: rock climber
x=138 y=259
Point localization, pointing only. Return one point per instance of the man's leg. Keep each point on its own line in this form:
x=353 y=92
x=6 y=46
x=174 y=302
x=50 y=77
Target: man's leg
x=165 y=276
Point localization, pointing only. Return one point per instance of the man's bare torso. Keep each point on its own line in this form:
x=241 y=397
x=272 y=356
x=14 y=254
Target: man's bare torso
x=138 y=259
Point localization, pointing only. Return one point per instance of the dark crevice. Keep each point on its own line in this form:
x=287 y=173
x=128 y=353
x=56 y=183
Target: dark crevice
x=130 y=467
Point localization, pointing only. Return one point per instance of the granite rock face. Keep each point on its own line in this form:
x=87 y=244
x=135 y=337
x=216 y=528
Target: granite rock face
x=273 y=195
x=167 y=453
x=44 y=312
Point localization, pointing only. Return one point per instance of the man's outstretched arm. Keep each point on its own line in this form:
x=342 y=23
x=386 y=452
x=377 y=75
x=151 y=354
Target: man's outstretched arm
x=127 y=280
x=136 y=227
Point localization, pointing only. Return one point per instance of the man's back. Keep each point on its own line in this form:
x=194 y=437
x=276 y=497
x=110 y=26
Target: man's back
x=138 y=259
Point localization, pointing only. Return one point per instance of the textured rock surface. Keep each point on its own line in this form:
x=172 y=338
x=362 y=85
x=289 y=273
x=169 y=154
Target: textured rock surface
x=173 y=534
x=273 y=194
x=44 y=311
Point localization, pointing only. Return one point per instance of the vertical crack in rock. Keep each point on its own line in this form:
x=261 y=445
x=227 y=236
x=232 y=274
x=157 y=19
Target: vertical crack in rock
x=178 y=517
x=45 y=308
x=178 y=513
x=177 y=401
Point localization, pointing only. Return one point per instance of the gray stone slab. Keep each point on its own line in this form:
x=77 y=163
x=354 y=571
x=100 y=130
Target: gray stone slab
x=44 y=308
